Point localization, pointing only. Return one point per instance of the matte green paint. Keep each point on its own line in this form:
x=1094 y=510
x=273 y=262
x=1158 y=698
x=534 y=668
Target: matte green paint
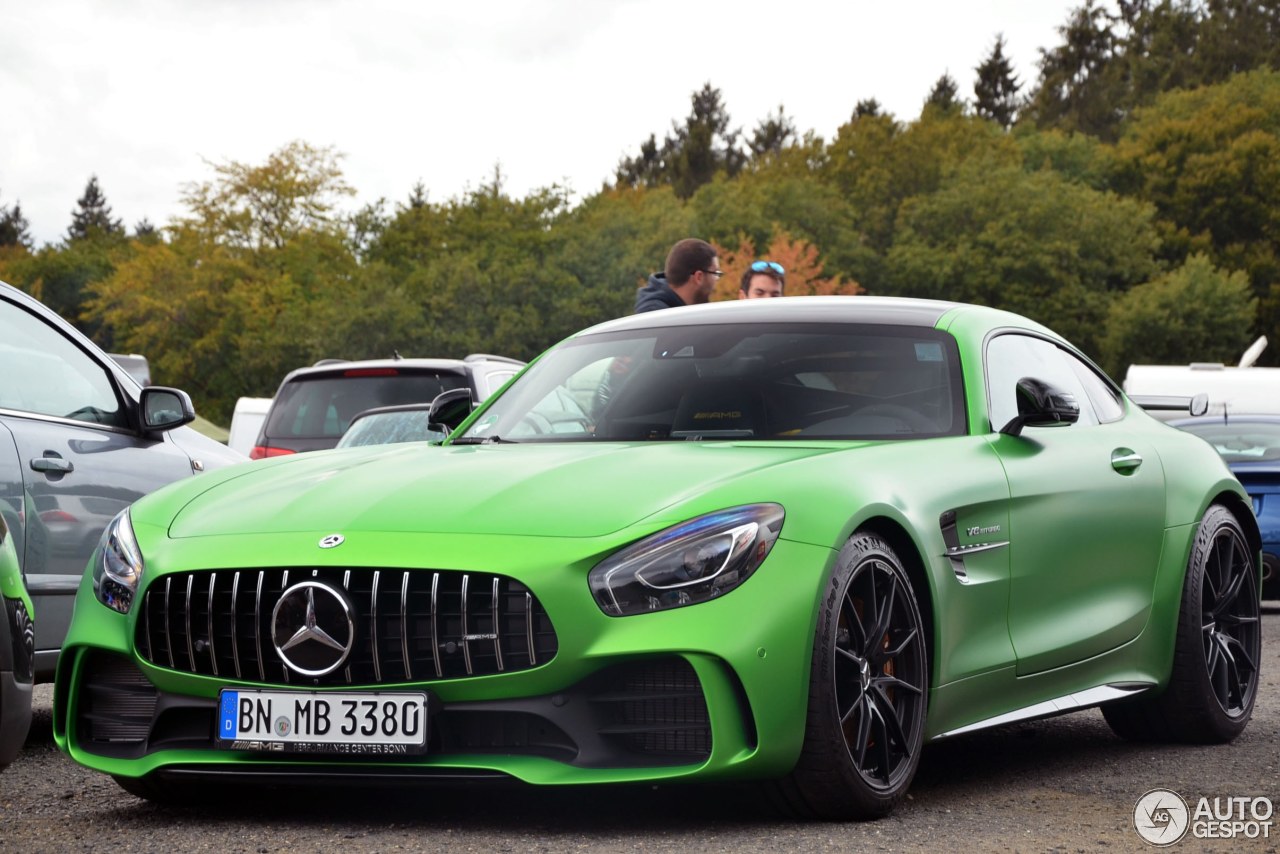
x=1085 y=594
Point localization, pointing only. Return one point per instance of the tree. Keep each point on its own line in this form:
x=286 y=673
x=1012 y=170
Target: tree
x=1196 y=313
x=14 y=228
x=1077 y=88
x=692 y=154
x=945 y=95
x=995 y=92
x=774 y=133
x=867 y=107
x=800 y=259
x=260 y=207
x=92 y=216
x=1029 y=242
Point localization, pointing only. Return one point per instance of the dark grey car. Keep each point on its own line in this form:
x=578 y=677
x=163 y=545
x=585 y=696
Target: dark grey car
x=75 y=449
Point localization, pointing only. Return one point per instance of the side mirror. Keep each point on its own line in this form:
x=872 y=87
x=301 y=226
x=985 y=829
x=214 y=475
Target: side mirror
x=1042 y=404
x=165 y=408
x=449 y=409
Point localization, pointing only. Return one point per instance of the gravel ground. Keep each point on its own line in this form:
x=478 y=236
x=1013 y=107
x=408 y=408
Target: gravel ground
x=1061 y=785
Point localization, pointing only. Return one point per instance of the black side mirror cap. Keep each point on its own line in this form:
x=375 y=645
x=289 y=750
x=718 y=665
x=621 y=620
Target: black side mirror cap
x=449 y=409
x=1042 y=404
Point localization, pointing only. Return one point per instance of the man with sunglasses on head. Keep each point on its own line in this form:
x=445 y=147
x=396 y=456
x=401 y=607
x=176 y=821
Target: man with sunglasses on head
x=763 y=279
x=691 y=271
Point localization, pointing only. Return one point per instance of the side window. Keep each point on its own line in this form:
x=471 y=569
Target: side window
x=1011 y=358
x=46 y=374
x=1105 y=399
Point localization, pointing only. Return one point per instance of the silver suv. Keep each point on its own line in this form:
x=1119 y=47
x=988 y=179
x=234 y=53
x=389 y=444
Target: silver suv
x=315 y=405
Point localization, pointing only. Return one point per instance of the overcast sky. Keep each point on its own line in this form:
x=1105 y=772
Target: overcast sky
x=143 y=92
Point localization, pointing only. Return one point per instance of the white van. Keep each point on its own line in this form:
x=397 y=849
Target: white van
x=1240 y=389
x=246 y=422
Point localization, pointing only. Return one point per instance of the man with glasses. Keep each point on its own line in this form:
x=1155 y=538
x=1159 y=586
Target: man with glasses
x=691 y=271
x=763 y=279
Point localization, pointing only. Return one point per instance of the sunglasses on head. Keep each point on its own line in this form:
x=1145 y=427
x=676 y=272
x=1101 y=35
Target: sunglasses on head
x=766 y=266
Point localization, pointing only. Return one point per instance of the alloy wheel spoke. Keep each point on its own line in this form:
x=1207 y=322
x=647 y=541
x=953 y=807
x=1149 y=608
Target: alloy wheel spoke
x=1238 y=654
x=898 y=650
x=887 y=682
x=893 y=722
x=857 y=632
x=883 y=619
x=863 y=733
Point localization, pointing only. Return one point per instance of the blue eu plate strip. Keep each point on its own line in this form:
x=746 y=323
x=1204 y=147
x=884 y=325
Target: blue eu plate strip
x=227 y=714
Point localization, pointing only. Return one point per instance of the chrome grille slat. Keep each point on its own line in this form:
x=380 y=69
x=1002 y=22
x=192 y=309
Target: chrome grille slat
x=497 y=630
x=454 y=603
x=257 y=627
x=168 y=637
x=466 y=629
x=213 y=653
x=404 y=625
x=373 y=628
x=191 y=655
x=284 y=585
x=235 y=647
x=528 y=627
x=435 y=623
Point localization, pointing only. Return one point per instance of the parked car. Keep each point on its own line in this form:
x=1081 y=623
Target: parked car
x=1250 y=444
x=17 y=652
x=314 y=406
x=79 y=441
x=795 y=543
x=391 y=425
x=246 y=422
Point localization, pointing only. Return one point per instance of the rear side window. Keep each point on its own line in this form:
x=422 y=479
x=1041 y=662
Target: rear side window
x=321 y=407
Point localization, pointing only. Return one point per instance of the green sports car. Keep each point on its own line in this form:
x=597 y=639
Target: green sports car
x=783 y=540
x=17 y=651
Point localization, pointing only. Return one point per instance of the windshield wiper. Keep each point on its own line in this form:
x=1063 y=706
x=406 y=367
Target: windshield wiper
x=483 y=440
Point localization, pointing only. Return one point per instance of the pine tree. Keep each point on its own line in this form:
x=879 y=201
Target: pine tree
x=14 y=228
x=93 y=214
x=945 y=95
x=774 y=133
x=692 y=154
x=995 y=92
x=867 y=107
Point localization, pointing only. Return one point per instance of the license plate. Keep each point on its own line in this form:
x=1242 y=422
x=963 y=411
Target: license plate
x=322 y=722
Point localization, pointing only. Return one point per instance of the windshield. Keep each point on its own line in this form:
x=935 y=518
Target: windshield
x=741 y=381
x=1240 y=441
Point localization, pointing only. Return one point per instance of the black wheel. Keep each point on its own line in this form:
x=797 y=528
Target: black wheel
x=1214 y=681
x=868 y=691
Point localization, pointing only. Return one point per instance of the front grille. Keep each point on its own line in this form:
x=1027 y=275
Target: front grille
x=410 y=625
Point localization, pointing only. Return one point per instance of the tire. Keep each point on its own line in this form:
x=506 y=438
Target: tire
x=868 y=691
x=1218 y=646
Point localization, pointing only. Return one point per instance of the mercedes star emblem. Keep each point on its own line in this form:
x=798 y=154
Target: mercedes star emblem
x=332 y=541
x=312 y=628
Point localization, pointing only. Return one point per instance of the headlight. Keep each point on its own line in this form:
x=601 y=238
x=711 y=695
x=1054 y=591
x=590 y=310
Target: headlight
x=690 y=563
x=117 y=565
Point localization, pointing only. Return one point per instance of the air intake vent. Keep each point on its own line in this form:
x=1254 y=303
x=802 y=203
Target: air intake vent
x=655 y=708
x=117 y=703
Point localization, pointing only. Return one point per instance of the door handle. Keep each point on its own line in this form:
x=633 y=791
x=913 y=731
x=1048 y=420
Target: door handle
x=52 y=464
x=1125 y=460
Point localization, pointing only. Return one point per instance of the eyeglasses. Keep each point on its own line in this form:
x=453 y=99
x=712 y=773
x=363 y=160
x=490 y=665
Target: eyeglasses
x=766 y=266
x=716 y=273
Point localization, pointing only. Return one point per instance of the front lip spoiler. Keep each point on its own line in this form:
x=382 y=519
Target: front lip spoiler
x=323 y=775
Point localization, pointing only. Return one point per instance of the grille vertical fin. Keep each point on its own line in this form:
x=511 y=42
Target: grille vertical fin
x=235 y=645
x=213 y=653
x=373 y=628
x=404 y=625
x=497 y=633
x=466 y=628
x=435 y=623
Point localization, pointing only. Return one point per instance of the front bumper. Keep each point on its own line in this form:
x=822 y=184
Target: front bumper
x=713 y=691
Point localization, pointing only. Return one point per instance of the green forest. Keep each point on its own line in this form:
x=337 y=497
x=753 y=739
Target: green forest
x=1128 y=197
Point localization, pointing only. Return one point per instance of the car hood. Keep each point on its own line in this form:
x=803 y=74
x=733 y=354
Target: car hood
x=555 y=490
